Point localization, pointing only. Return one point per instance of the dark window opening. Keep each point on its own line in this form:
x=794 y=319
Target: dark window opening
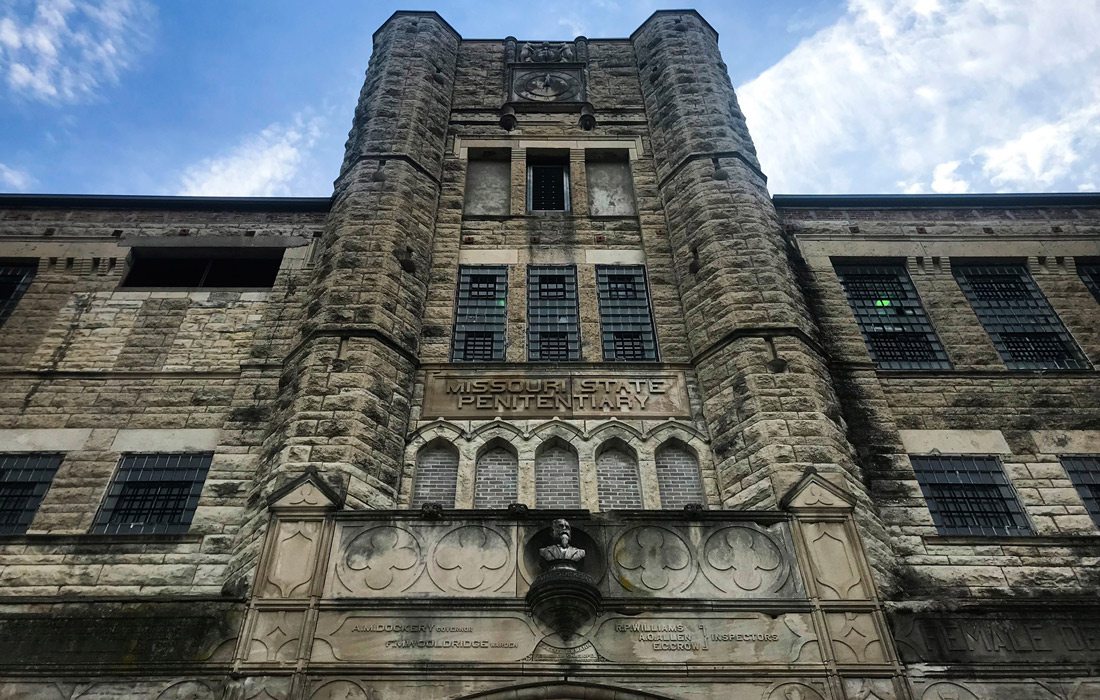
x=153 y=494
x=1090 y=275
x=626 y=320
x=15 y=278
x=628 y=346
x=480 y=314
x=970 y=496
x=478 y=346
x=24 y=480
x=553 y=320
x=553 y=346
x=1084 y=472
x=890 y=316
x=204 y=268
x=1025 y=330
x=547 y=183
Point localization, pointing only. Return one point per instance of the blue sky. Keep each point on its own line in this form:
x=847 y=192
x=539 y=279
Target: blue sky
x=243 y=97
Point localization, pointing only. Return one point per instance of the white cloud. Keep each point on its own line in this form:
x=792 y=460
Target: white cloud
x=15 y=180
x=65 y=50
x=895 y=92
x=944 y=180
x=265 y=164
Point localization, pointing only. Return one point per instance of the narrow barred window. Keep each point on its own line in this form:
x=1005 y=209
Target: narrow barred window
x=969 y=495
x=15 y=277
x=1090 y=275
x=553 y=326
x=1084 y=472
x=480 y=314
x=24 y=479
x=153 y=494
x=890 y=316
x=625 y=318
x=1020 y=322
x=547 y=183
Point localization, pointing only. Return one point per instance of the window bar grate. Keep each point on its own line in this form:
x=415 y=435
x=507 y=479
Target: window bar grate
x=626 y=319
x=553 y=319
x=970 y=495
x=1020 y=321
x=891 y=318
x=1084 y=473
x=480 y=314
x=24 y=480
x=153 y=493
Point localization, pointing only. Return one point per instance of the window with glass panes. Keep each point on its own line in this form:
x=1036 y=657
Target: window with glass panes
x=153 y=493
x=15 y=277
x=1020 y=322
x=24 y=479
x=548 y=183
x=969 y=495
x=480 y=313
x=890 y=316
x=626 y=321
x=1090 y=275
x=1084 y=472
x=553 y=327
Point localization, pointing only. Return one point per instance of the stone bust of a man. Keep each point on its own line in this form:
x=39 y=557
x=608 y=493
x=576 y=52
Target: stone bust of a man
x=562 y=551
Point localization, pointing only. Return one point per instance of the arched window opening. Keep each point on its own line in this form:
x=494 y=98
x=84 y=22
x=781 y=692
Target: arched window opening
x=496 y=476
x=678 y=477
x=436 y=474
x=557 y=476
x=617 y=477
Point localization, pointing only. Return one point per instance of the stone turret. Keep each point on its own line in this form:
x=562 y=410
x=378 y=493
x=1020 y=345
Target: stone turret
x=768 y=403
x=347 y=386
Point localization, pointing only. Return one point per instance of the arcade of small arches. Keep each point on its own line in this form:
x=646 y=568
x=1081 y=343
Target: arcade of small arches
x=557 y=466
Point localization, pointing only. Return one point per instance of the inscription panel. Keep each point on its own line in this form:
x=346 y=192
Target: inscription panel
x=458 y=394
x=998 y=638
x=684 y=638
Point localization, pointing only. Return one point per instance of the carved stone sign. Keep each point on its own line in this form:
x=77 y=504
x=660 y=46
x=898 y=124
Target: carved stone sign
x=456 y=394
x=735 y=638
x=997 y=637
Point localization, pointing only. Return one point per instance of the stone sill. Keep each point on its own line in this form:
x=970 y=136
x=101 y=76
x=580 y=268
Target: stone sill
x=93 y=539
x=557 y=215
x=1013 y=541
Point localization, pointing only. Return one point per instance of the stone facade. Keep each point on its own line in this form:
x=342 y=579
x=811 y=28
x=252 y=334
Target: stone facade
x=747 y=481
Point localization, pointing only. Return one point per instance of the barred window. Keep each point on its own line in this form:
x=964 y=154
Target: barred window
x=15 y=277
x=153 y=493
x=24 y=479
x=1090 y=275
x=547 y=183
x=890 y=316
x=625 y=318
x=480 y=313
x=1020 y=322
x=1084 y=472
x=553 y=324
x=970 y=495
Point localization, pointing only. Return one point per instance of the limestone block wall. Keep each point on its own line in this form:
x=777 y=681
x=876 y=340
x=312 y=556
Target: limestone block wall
x=1026 y=419
x=92 y=371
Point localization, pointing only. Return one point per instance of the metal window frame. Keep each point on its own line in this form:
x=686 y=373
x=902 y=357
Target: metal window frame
x=1084 y=473
x=480 y=314
x=907 y=320
x=938 y=472
x=26 y=271
x=1011 y=319
x=36 y=469
x=1089 y=272
x=631 y=315
x=554 y=315
x=566 y=188
x=153 y=468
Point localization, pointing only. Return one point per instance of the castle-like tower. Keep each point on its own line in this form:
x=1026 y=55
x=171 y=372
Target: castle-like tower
x=551 y=399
